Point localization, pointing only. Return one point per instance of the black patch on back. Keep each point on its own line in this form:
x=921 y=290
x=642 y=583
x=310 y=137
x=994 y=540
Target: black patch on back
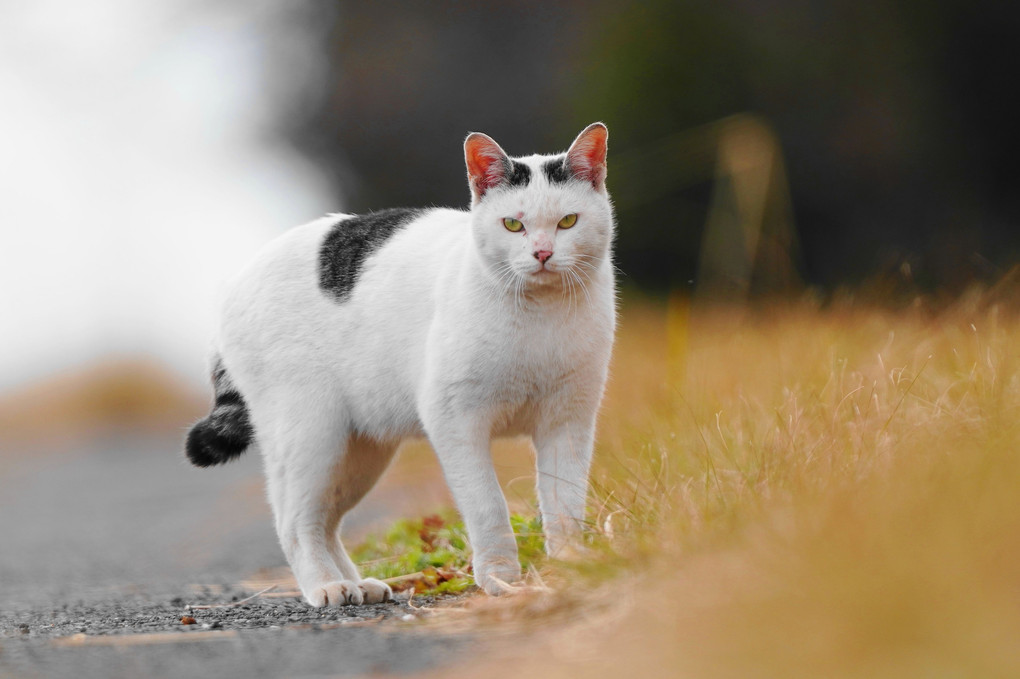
x=350 y=242
x=518 y=174
x=556 y=170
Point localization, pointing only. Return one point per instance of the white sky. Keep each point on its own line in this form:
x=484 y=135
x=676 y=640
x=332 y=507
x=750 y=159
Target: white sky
x=136 y=173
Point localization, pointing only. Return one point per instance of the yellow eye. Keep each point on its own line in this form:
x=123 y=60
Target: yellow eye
x=568 y=221
x=512 y=224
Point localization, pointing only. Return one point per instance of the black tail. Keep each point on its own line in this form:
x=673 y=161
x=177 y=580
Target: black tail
x=226 y=432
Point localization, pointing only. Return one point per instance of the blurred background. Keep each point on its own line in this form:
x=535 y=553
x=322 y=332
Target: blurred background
x=758 y=149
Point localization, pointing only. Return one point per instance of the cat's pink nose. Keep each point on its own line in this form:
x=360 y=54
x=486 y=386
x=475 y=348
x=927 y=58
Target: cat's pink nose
x=542 y=255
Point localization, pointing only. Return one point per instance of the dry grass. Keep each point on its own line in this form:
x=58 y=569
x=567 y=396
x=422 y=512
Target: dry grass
x=796 y=492
x=104 y=397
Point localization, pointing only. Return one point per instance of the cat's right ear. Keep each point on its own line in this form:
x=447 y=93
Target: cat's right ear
x=487 y=164
x=586 y=157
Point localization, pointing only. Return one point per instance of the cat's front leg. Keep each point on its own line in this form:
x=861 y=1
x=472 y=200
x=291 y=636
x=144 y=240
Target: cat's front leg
x=563 y=451
x=462 y=447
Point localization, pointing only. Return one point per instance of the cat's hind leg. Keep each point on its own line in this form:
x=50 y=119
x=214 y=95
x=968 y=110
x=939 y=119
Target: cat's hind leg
x=357 y=472
x=305 y=457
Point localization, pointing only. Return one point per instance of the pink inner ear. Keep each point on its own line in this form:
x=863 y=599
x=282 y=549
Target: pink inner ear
x=587 y=155
x=486 y=162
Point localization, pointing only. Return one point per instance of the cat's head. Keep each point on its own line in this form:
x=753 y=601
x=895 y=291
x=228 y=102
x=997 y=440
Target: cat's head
x=541 y=220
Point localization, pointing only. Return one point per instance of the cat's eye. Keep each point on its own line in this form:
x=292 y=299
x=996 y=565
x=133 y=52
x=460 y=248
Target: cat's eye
x=568 y=221
x=512 y=224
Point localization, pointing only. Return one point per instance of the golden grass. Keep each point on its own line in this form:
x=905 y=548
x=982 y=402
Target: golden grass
x=795 y=492
x=101 y=398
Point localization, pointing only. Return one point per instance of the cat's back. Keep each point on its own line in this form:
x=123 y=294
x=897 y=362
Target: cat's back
x=329 y=275
x=330 y=256
x=280 y=276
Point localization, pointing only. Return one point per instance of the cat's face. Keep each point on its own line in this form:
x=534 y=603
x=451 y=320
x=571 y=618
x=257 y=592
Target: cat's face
x=541 y=221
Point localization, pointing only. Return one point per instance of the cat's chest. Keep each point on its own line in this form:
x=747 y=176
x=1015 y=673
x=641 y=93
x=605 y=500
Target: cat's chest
x=506 y=354
x=527 y=358
x=529 y=365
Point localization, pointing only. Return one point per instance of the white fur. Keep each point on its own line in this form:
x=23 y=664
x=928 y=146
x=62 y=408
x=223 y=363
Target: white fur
x=449 y=333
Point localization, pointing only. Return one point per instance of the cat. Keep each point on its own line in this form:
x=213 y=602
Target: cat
x=350 y=333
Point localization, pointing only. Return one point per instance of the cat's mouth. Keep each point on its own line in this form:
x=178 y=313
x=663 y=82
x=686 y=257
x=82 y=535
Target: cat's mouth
x=544 y=270
x=543 y=275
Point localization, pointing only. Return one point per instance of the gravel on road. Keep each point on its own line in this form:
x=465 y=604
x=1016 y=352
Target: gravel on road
x=132 y=636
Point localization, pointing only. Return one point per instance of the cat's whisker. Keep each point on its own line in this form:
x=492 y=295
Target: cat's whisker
x=508 y=281
x=588 y=262
x=587 y=258
x=587 y=271
x=513 y=293
x=581 y=284
x=565 y=291
x=574 y=286
x=574 y=302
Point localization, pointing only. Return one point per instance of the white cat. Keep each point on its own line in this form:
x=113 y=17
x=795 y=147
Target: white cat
x=351 y=333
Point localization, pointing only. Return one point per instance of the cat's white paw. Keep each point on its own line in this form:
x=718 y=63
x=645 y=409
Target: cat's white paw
x=495 y=575
x=349 y=593
x=336 y=593
x=375 y=591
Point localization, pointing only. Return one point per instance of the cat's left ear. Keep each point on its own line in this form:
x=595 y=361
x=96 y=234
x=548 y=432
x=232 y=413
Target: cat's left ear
x=487 y=164
x=586 y=157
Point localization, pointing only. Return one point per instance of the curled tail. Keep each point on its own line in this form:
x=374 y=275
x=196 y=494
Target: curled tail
x=226 y=432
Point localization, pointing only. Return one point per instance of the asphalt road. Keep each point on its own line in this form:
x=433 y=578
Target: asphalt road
x=105 y=544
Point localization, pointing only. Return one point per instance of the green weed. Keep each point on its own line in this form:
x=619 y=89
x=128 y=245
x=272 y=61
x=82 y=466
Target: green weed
x=432 y=555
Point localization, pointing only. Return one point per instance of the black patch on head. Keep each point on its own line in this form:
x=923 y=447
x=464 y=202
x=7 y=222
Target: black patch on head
x=556 y=170
x=518 y=174
x=226 y=432
x=350 y=242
